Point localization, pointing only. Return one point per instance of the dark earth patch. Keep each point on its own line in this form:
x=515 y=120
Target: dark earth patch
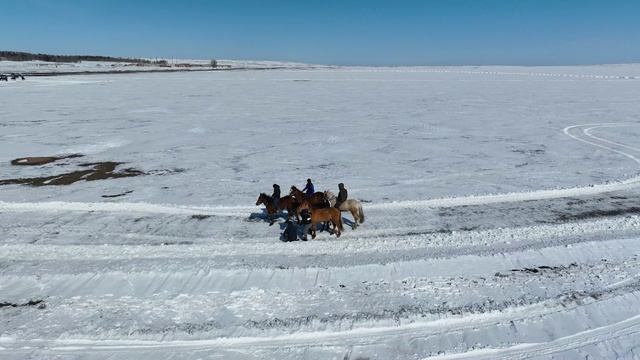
x=166 y=243
x=41 y=160
x=98 y=171
x=534 y=212
x=117 y=195
x=538 y=269
x=39 y=303
x=529 y=151
x=599 y=213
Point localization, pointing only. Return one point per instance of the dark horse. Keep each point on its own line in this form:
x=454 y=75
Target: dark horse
x=286 y=203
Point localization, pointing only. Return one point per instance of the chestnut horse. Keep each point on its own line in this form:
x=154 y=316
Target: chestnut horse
x=315 y=201
x=286 y=203
x=331 y=215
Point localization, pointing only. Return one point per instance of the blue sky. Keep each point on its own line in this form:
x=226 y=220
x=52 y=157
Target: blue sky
x=445 y=32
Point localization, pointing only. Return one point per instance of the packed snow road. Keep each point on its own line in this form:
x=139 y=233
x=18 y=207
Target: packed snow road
x=501 y=216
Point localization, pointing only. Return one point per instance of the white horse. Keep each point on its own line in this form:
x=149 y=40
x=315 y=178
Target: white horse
x=352 y=205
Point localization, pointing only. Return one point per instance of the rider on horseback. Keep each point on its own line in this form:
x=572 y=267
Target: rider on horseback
x=342 y=195
x=308 y=189
x=276 y=196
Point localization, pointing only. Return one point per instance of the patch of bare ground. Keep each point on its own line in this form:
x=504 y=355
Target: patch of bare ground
x=94 y=171
x=600 y=213
x=41 y=160
x=118 y=195
x=39 y=303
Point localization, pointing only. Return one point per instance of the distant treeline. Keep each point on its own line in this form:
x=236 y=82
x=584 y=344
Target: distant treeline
x=24 y=56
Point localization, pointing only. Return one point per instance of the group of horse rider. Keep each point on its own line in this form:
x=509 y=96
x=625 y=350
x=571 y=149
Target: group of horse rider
x=309 y=190
x=311 y=209
x=291 y=231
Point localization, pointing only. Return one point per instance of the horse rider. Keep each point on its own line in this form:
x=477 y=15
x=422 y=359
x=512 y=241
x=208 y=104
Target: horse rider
x=308 y=189
x=305 y=221
x=342 y=196
x=276 y=196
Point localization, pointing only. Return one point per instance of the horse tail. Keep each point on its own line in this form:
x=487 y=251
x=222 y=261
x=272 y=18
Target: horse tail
x=360 y=213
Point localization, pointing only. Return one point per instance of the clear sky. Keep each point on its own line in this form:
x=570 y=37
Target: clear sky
x=372 y=32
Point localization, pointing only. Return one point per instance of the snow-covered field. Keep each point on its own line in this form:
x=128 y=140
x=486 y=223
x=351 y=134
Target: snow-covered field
x=502 y=216
x=39 y=67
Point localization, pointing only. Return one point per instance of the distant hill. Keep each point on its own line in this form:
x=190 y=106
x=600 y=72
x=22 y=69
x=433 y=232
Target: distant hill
x=25 y=56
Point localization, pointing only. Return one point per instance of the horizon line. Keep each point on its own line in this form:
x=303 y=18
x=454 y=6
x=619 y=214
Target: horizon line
x=325 y=64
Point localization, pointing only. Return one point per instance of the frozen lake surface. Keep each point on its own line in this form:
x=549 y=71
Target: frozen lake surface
x=501 y=214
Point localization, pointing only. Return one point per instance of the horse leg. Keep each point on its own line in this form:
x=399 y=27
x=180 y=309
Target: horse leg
x=297 y=212
x=327 y=227
x=336 y=228
x=354 y=214
x=313 y=231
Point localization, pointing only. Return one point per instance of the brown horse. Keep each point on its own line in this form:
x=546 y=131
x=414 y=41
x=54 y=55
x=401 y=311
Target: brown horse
x=315 y=201
x=286 y=203
x=290 y=204
x=267 y=201
x=331 y=215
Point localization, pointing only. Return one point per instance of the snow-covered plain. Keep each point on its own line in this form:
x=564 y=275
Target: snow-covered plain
x=46 y=67
x=501 y=215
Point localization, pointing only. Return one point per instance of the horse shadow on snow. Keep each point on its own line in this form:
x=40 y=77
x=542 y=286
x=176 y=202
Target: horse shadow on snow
x=263 y=216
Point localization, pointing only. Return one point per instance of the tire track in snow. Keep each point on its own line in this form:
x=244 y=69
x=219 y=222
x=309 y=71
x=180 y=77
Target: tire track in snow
x=172 y=279
x=145 y=208
x=435 y=245
x=363 y=336
x=630 y=183
x=627 y=289
x=628 y=327
x=593 y=140
x=589 y=130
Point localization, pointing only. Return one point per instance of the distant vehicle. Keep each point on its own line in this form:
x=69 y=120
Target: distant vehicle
x=13 y=76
